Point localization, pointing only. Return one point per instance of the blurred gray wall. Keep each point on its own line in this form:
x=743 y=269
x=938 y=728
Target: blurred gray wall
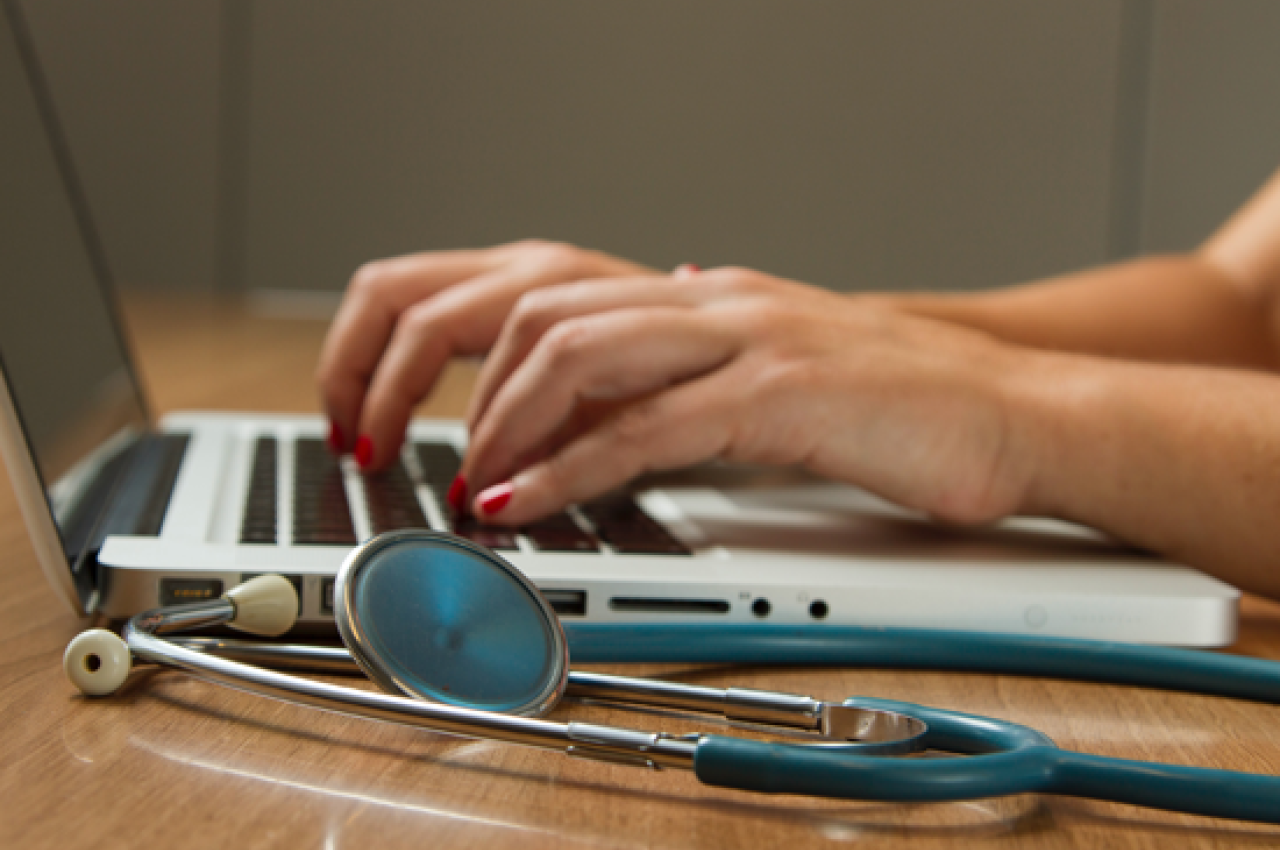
x=136 y=85
x=275 y=144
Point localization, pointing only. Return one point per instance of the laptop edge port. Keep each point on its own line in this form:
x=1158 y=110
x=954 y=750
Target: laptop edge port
x=658 y=605
x=326 y=596
x=176 y=591
x=566 y=603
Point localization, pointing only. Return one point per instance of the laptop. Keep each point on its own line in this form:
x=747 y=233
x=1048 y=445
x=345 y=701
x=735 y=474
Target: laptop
x=126 y=513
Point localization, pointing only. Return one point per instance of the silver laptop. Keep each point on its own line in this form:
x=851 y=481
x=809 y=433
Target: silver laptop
x=126 y=514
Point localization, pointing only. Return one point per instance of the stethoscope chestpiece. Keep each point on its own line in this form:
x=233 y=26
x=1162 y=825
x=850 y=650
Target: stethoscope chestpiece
x=436 y=617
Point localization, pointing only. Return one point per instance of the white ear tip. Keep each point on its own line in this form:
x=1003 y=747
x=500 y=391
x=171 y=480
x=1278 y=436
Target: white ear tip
x=266 y=605
x=97 y=662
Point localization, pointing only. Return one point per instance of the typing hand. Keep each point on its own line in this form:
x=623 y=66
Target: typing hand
x=403 y=318
x=738 y=365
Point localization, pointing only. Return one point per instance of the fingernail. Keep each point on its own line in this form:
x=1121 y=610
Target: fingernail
x=336 y=443
x=364 y=450
x=685 y=270
x=457 y=495
x=495 y=498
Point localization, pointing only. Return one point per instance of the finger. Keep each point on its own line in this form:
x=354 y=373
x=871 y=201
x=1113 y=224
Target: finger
x=378 y=294
x=678 y=427
x=620 y=354
x=460 y=320
x=538 y=311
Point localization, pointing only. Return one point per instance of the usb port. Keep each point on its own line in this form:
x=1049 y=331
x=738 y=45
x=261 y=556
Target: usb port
x=326 y=596
x=566 y=603
x=175 y=591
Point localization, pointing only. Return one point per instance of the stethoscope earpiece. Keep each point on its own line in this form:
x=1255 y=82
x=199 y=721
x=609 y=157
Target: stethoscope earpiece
x=97 y=662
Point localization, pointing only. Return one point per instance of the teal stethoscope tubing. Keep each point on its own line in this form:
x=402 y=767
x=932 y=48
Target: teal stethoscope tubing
x=1189 y=670
x=1004 y=758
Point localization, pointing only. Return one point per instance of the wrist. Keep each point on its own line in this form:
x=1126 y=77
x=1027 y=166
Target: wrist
x=1055 y=406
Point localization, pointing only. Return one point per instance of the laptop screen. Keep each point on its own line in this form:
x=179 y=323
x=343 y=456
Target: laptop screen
x=66 y=365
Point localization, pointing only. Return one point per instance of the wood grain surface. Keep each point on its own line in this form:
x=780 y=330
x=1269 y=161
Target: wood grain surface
x=173 y=762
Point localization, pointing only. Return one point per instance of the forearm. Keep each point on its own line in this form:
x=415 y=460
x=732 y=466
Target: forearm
x=1183 y=461
x=1166 y=309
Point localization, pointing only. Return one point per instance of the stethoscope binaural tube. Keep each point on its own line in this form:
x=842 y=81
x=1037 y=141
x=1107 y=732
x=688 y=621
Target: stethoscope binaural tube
x=1168 y=668
x=98 y=662
x=870 y=731
x=1003 y=758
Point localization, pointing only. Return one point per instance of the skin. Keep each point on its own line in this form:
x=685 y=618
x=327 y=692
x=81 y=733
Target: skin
x=403 y=318
x=1138 y=398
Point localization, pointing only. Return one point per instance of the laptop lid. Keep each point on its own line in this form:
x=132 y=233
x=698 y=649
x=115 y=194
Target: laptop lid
x=71 y=401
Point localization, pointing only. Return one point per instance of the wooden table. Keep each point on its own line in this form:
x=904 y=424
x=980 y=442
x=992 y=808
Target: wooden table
x=176 y=762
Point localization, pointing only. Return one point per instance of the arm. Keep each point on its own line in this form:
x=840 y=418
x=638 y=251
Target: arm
x=1215 y=306
x=1184 y=461
x=1023 y=418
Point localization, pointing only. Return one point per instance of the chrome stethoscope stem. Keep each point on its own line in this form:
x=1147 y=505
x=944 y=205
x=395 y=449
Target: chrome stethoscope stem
x=752 y=706
x=604 y=743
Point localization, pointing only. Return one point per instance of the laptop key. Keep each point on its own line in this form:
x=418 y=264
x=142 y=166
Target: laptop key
x=560 y=533
x=489 y=536
x=392 y=500
x=440 y=462
x=259 y=522
x=624 y=525
x=321 y=512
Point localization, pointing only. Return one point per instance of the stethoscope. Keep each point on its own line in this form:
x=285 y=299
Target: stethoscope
x=476 y=651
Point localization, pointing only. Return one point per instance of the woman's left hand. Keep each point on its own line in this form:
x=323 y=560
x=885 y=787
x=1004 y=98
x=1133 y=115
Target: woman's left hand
x=593 y=383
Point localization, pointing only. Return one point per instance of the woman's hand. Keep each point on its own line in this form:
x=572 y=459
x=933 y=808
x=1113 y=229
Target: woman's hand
x=738 y=365
x=403 y=318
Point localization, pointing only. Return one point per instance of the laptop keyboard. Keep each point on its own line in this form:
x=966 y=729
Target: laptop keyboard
x=392 y=501
x=259 y=523
x=322 y=512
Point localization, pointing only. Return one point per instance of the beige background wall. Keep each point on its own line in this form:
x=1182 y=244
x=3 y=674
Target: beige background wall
x=247 y=144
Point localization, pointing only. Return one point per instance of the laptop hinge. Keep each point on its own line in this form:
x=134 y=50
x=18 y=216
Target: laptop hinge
x=129 y=495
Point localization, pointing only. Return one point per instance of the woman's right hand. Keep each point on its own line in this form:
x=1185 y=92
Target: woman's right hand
x=403 y=318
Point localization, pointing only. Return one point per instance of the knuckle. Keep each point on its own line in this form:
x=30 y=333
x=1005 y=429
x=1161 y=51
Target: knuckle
x=556 y=258
x=420 y=319
x=531 y=313
x=557 y=476
x=782 y=378
x=370 y=279
x=736 y=280
x=635 y=424
x=529 y=244
x=387 y=408
x=756 y=318
x=567 y=341
x=339 y=387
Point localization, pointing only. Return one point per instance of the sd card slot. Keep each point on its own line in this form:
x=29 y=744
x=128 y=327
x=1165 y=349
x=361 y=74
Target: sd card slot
x=664 y=605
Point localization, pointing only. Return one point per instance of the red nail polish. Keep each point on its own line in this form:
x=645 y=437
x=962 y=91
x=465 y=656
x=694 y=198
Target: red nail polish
x=364 y=450
x=686 y=270
x=457 y=496
x=495 y=498
x=336 y=443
